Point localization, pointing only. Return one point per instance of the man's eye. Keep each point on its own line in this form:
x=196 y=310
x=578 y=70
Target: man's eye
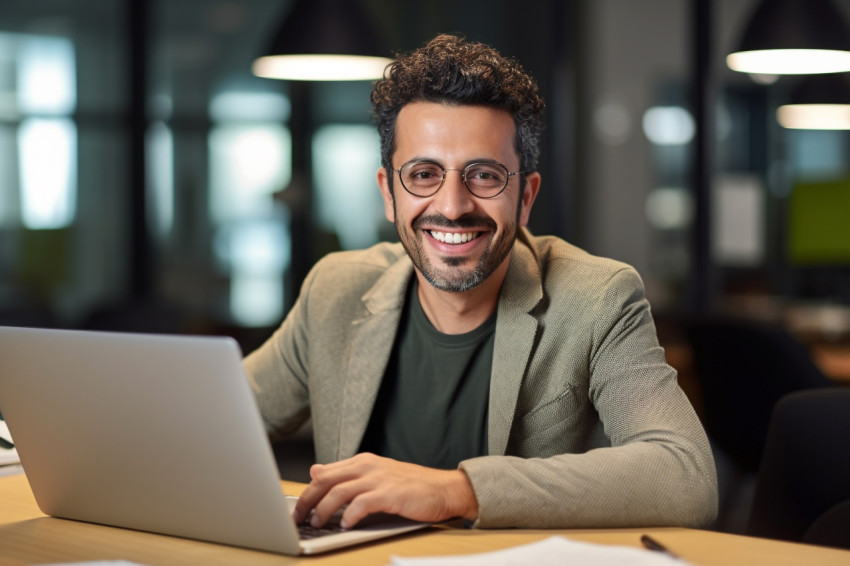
x=484 y=175
x=423 y=174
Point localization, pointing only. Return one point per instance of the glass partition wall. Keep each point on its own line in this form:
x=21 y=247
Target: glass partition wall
x=218 y=193
x=63 y=155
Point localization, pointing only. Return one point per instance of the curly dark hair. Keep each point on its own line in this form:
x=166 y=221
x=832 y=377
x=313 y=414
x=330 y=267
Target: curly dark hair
x=451 y=70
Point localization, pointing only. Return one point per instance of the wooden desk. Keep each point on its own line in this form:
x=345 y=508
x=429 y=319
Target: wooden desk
x=833 y=360
x=28 y=537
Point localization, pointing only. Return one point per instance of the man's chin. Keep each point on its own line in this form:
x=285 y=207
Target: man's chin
x=455 y=282
x=454 y=261
x=454 y=285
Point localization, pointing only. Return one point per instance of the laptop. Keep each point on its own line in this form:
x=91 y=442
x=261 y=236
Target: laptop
x=153 y=433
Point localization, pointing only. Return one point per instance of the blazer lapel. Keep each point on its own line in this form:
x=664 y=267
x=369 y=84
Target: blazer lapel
x=516 y=329
x=370 y=348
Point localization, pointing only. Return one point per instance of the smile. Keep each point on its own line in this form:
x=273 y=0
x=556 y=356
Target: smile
x=454 y=237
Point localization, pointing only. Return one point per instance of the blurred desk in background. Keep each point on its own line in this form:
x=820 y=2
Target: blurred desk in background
x=825 y=329
x=833 y=360
x=815 y=323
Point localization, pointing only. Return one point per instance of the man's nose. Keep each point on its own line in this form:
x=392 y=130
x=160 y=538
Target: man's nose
x=453 y=200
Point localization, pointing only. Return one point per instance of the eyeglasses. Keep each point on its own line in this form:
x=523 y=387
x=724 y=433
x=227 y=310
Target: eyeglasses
x=484 y=180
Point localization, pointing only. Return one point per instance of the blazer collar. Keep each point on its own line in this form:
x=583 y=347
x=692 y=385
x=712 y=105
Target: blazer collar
x=516 y=328
x=373 y=336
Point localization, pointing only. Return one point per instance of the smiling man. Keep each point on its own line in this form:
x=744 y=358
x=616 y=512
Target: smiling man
x=475 y=370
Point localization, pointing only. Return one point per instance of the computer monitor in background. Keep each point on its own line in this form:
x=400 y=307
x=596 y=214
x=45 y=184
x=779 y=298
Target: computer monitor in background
x=819 y=223
x=818 y=240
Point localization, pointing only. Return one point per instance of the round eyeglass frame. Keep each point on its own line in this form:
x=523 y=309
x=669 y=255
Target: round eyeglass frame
x=463 y=171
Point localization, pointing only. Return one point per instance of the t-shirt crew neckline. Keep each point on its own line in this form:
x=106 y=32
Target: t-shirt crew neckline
x=464 y=340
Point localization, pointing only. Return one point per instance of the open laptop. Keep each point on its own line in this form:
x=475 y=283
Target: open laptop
x=153 y=433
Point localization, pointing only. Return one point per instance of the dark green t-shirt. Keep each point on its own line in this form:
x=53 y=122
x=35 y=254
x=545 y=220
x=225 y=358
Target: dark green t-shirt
x=431 y=408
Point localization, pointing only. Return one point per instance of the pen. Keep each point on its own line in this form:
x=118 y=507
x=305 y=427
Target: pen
x=653 y=544
x=6 y=444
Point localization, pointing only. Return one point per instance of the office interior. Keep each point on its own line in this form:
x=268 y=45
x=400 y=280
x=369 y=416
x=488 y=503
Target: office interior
x=150 y=182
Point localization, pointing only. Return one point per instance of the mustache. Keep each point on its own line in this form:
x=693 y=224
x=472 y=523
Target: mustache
x=465 y=221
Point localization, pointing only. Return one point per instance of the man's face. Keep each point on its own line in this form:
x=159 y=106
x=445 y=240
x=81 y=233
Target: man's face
x=455 y=239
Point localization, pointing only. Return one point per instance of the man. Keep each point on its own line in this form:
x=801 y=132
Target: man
x=475 y=370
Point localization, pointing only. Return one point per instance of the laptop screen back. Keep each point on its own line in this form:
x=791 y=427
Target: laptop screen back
x=154 y=433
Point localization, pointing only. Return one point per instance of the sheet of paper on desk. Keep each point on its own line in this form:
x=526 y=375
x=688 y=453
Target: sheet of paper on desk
x=7 y=455
x=553 y=551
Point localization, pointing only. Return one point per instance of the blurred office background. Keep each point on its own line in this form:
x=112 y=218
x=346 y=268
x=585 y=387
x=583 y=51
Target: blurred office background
x=149 y=181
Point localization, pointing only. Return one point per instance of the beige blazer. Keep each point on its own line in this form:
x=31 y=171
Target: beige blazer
x=587 y=424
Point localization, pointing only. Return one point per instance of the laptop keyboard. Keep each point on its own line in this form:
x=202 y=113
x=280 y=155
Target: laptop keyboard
x=306 y=531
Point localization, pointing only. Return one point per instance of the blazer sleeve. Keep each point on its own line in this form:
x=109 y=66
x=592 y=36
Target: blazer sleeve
x=658 y=469
x=278 y=370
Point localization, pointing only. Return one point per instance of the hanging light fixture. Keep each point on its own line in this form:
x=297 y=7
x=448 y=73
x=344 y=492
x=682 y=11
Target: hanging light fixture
x=818 y=102
x=793 y=37
x=324 y=40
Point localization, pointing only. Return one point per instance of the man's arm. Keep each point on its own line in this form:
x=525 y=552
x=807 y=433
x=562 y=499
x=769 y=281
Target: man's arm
x=638 y=484
x=658 y=469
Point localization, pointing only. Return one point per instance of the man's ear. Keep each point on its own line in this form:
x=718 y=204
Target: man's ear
x=532 y=187
x=383 y=184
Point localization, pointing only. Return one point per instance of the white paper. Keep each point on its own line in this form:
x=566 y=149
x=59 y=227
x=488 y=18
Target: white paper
x=738 y=221
x=11 y=470
x=7 y=456
x=553 y=551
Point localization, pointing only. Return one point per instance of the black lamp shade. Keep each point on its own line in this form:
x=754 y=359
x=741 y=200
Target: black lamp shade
x=833 y=88
x=796 y=24
x=316 y=35
x=326 y=27
x=801 y=28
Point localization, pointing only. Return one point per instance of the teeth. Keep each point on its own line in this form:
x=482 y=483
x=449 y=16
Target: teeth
x=454 y=238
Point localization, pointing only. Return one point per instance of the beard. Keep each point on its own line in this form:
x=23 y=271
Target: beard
x=451 y=275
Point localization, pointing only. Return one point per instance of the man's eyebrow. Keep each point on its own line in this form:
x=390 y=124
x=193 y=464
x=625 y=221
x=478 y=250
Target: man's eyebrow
x=424 y=159
x=482 y=160
x=441 y=163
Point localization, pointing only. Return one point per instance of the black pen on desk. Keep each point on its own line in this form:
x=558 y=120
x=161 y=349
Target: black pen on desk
x=653 y=544
x=6 y=444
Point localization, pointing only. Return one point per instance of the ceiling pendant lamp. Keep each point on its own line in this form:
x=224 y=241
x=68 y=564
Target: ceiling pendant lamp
x=818 y=102
x=793 y=37
x=324 y=40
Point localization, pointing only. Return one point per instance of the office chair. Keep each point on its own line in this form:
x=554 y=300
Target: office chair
x=803 y=488
x=744 y=367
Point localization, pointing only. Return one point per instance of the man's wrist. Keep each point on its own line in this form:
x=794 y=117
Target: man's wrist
x=462 y=497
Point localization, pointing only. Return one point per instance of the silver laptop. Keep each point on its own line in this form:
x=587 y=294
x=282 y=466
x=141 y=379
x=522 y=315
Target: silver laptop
x=153 y=433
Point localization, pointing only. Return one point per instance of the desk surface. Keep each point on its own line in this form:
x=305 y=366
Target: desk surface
x=833 y=360
x=29 y=537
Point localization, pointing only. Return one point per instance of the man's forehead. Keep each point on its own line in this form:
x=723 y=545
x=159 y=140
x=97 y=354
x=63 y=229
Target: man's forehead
x=451 y=108
x=421 y=125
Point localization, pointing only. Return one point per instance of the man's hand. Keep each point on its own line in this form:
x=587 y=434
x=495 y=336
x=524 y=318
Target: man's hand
x=372 y=484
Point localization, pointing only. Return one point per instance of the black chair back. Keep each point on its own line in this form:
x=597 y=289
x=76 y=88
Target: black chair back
x=744 y=367
x=803 y=489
